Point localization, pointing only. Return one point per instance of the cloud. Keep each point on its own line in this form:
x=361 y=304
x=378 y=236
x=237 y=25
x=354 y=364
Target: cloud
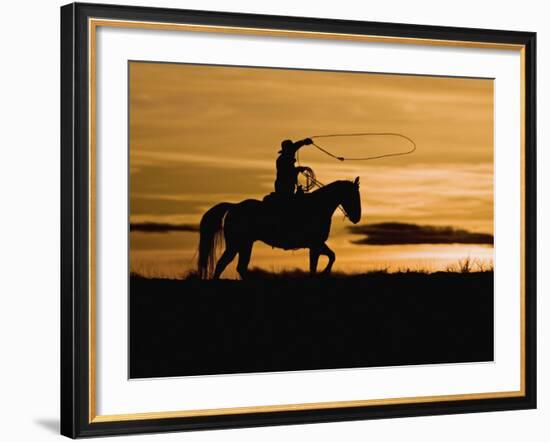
x=163 y=158
x=149 y=227
x=393 y=233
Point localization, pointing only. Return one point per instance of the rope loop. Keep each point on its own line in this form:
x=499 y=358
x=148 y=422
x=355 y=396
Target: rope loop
x=364 y=134
x=311 y=179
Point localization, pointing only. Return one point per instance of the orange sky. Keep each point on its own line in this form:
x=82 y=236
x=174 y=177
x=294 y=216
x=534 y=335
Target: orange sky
x=204 y=134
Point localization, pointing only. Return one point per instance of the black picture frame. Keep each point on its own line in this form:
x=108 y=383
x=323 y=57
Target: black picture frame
x=75 y=220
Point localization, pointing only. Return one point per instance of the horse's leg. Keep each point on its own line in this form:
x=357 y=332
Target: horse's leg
x=227 y=256
x=314 y=253
x=325 y=250
x=244 y=258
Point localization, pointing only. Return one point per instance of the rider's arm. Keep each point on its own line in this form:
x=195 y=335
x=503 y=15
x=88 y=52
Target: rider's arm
x=301 y=143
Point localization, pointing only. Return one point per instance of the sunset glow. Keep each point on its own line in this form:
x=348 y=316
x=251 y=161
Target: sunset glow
x=200 y=135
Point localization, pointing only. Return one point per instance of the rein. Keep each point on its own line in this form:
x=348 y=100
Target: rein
x=319 y=184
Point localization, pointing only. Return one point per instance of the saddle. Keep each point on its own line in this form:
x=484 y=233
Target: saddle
x=282 y=211
x=278 y=201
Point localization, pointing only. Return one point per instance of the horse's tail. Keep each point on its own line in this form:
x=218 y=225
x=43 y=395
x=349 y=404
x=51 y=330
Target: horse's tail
x=210 y=238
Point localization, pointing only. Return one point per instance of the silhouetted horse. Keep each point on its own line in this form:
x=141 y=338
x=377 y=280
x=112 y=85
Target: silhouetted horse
x=303 y=222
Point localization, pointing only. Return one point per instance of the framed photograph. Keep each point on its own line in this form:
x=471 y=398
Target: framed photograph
x=275 y=220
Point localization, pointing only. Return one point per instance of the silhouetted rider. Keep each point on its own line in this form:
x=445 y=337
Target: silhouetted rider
x=287 y=172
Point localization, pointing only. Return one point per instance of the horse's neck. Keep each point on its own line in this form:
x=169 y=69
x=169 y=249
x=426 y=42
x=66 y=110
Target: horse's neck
x=330 y=197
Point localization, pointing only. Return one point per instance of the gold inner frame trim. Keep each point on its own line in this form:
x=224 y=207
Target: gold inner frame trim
x=306 y=406
x=93 y=24
x=301 y=34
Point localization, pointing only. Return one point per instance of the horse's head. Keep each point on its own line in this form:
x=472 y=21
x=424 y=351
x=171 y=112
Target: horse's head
x=352 y=201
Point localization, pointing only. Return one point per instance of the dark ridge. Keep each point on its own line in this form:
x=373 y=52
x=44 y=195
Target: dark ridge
x=197 y=327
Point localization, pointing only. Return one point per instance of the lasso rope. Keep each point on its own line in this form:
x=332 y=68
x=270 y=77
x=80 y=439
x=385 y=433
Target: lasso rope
x=363 y=134
x=318 y=183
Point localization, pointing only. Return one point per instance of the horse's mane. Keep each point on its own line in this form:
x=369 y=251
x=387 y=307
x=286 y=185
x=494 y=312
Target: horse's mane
x=331 y=186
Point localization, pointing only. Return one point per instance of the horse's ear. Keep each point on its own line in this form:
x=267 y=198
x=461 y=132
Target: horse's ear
x=356 y=182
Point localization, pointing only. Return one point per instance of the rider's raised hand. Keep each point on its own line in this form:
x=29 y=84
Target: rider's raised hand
x=308 y=141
